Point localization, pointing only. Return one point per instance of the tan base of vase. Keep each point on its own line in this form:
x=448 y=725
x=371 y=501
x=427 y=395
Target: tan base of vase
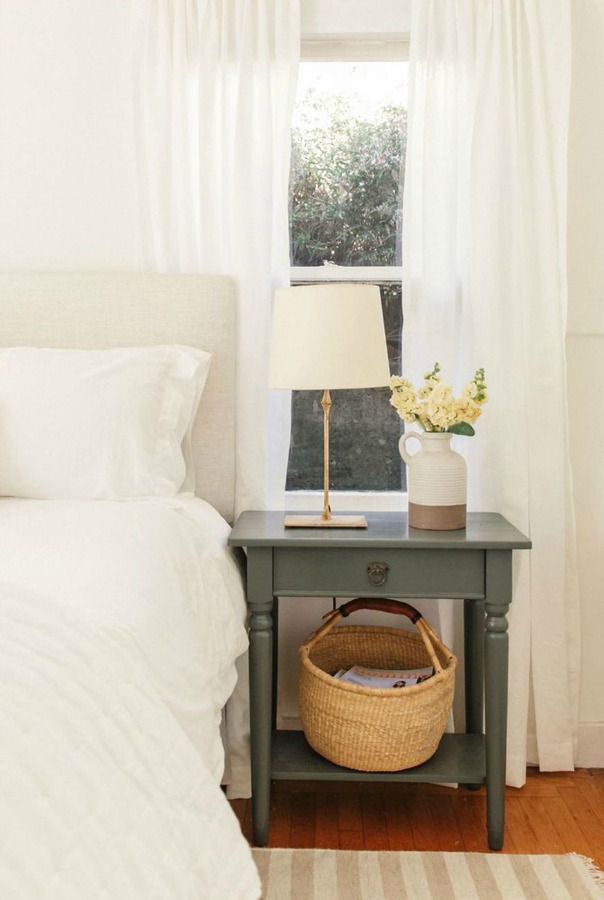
x=437 y=518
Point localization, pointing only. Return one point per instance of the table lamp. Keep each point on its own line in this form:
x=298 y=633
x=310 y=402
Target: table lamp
x=326 y=337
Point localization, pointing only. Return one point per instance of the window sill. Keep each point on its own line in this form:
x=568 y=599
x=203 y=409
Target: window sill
x=341 y=501
x=373 y=274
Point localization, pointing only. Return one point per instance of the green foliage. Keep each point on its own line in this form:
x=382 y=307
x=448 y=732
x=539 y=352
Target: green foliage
x=345 y=185
x=462 y=428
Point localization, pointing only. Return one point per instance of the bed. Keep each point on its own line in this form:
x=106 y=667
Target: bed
x=123 y=612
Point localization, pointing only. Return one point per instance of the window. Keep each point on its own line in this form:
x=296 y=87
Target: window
x=348 y=151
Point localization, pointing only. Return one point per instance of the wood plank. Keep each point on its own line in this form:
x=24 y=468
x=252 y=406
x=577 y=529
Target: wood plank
x=423 y=828
x=375 y=828
x=327 y=826
x=352 y=840
x=597 y=778
x=446 y=825
x=541 y=812
x=280 y=827
x=520 y=826
x=398 y=825
x=470 y=811
x=349 y=812
x=243 y=811
x=302 y=819
x=565 y=824
x=588 y=822
x=594 y=797
x=350 y=820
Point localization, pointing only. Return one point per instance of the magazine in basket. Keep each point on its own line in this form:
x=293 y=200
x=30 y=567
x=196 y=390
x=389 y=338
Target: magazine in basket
x=384 y=678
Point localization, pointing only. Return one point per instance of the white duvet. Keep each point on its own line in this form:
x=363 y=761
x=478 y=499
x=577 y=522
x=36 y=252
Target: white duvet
x=120 y=625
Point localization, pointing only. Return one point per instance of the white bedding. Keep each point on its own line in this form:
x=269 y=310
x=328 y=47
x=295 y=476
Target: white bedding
x=120 y=625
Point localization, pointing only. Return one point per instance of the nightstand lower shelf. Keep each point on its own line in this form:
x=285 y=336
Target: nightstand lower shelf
x=459 y=758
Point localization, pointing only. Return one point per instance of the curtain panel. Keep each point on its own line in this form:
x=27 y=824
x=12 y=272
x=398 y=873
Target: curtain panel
x=484 y=256
x=215 y=85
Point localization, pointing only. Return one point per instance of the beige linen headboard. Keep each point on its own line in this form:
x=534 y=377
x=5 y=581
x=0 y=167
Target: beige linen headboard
x=96 y=311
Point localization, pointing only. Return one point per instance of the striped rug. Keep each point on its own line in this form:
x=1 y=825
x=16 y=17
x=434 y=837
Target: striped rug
x=391 y=875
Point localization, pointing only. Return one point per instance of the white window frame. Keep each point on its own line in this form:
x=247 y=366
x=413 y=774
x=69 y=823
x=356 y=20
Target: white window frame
x=328 y=272
x=354 y=49
x=377 y=48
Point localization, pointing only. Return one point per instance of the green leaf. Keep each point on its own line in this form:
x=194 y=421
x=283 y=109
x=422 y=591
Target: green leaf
x=461 y=428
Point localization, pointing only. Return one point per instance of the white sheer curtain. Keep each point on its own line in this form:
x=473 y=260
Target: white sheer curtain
x=215 y=87
x=485 y=284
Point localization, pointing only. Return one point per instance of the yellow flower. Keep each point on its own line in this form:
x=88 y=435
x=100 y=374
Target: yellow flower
x=434 y=406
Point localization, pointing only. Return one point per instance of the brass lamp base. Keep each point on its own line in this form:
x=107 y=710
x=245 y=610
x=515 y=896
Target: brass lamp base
x=326 y=520
x=320 y=522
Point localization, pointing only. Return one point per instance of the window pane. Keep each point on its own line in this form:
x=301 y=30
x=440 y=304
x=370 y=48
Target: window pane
x=348 y=142
x=364 y=429
x=348 y=151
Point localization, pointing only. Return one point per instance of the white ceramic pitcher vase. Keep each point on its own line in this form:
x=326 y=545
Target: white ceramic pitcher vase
x=436 y=482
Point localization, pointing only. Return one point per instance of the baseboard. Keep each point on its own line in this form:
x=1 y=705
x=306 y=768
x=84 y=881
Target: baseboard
x=590 y=745
x=290 y=723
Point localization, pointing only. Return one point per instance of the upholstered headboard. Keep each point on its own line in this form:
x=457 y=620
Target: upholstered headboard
x=96 y=311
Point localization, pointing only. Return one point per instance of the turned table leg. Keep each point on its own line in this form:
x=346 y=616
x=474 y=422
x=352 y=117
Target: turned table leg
x=498 y=596
x=474 y=667
x=260 y=601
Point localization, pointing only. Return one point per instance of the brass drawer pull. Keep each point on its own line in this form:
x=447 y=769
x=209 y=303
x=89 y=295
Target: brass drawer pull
x=377 y=573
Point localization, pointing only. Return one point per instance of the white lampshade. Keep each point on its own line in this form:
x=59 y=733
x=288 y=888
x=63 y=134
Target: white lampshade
x=328 y=336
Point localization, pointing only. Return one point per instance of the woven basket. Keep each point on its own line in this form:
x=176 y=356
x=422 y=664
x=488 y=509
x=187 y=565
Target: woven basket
x=374 y=729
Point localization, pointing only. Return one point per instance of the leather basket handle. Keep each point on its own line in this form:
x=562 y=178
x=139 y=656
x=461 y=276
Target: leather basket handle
x=398 y=607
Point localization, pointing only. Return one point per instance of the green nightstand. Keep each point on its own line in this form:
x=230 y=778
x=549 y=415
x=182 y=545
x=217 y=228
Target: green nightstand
x=388 y=559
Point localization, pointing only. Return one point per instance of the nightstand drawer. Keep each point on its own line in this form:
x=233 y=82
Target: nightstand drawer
x=379 y=572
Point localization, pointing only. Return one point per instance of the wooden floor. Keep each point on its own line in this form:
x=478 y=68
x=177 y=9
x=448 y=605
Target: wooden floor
x=552 y=813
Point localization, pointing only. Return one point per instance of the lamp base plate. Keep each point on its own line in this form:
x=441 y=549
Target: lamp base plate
x=319 y=522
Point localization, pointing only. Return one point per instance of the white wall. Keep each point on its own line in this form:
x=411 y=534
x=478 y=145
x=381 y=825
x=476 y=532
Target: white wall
x=585 y=348
x=68 y=201
x=351 y=17
x=67 y=175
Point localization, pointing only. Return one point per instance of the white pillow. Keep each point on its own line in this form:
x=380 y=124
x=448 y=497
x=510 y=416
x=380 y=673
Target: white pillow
x=97 y=424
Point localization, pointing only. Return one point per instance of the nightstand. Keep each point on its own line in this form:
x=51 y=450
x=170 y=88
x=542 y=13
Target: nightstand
x=388 y=559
